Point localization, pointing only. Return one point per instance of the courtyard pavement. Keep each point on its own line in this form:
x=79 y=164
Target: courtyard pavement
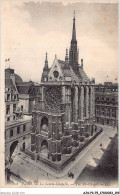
x=34 y=172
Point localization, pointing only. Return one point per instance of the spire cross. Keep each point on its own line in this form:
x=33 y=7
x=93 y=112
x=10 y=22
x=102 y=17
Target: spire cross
x=46 y=55
x=8 y=60
x=74 y=14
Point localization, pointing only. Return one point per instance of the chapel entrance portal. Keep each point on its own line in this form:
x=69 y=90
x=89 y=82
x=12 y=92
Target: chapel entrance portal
x=44 y=148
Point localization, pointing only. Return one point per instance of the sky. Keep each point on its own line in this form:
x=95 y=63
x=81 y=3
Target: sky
x=32 y=28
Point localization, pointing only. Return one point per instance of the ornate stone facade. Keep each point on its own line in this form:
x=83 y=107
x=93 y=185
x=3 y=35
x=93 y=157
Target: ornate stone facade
x=65 y=114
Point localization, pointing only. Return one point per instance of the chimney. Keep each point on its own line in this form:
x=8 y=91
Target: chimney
x=12 y=76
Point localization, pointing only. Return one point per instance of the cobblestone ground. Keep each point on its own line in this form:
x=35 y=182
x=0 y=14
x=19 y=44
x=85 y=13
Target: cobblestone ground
x=106 y=173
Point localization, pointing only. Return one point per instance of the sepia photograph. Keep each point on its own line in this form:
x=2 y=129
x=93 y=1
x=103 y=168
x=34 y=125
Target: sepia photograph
x=60 y=94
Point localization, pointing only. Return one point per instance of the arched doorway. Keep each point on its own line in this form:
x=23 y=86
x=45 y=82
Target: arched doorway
x=44 y=126
x=44 y=148
x=13 y=147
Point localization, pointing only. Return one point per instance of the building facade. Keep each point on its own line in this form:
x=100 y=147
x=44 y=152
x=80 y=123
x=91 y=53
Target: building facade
x=65 y=114
x=106 y=104
x=28 y=95
x=17 y=126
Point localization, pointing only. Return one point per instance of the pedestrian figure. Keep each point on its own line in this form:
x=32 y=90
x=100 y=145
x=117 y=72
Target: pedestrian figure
x=101 y=145
x=69 y=174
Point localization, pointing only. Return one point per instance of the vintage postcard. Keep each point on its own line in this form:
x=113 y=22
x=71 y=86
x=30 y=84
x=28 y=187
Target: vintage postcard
x=59 y=94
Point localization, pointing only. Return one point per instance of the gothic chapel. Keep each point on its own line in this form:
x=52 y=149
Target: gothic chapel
x=65 y=112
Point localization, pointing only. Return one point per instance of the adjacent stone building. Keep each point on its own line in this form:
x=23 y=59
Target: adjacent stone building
x=65 y=114
x=106 y=104
x=17 y=126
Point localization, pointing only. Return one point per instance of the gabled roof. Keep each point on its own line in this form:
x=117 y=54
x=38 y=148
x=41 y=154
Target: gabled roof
x=83 y=75
x=65 y=70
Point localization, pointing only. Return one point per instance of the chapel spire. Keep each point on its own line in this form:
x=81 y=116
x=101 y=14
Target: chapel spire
x=73 y=52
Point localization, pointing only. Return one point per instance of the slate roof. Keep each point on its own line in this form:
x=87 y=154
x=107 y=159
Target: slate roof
x=68 y=71
x=9 y=72
x=9 y=83
x=24 y=89
x=83 y=75
x=18 y=79
x=27 y=88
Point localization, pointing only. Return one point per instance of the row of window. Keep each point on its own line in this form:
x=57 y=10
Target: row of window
x=105 y=99
x=15 y=117
x=8 y=108
x=18 y=130
x=8 y=118
x=14 y=97
x=106 y=90
x=105 y=121
x=106 y=112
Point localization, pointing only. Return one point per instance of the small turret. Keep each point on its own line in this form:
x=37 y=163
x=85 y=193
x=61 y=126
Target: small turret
x=45 y=70
x=66 y=56
x=46 y=63
x=55 y=57
x=82 y=63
